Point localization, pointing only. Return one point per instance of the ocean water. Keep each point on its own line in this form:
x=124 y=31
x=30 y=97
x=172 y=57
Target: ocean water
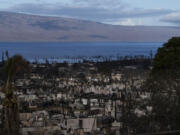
x=86 y=50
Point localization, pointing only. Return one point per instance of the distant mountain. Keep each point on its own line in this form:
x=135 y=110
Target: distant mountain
x=15 y=27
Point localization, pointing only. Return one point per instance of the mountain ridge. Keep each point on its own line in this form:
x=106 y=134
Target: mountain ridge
x=18 y=27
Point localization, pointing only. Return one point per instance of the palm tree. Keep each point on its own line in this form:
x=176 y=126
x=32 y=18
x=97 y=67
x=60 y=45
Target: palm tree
x=11 y=67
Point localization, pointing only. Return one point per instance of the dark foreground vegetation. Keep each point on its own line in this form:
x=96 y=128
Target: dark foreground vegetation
x=129 y=96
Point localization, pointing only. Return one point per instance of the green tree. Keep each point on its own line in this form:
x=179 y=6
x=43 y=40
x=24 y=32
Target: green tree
x=12 y=66
x=164 y=86
x=168 y=57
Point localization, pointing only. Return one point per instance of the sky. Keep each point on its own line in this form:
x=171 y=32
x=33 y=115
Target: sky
x=116 y=12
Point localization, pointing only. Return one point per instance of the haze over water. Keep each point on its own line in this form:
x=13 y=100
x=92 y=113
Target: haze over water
x=64 y=51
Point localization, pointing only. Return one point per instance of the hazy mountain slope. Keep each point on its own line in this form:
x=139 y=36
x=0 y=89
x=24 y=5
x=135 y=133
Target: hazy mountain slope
x=21 y=27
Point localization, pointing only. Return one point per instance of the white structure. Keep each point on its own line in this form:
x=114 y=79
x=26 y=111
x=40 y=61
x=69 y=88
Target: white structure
x=87 y=124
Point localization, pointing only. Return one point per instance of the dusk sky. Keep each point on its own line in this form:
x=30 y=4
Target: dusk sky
x=117 y=12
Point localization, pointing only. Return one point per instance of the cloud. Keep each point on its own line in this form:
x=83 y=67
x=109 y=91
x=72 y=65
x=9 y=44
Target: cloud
x=83 y=10
x=125 y=21
x=173 y=18
x=117 y=11
x=106 y=4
